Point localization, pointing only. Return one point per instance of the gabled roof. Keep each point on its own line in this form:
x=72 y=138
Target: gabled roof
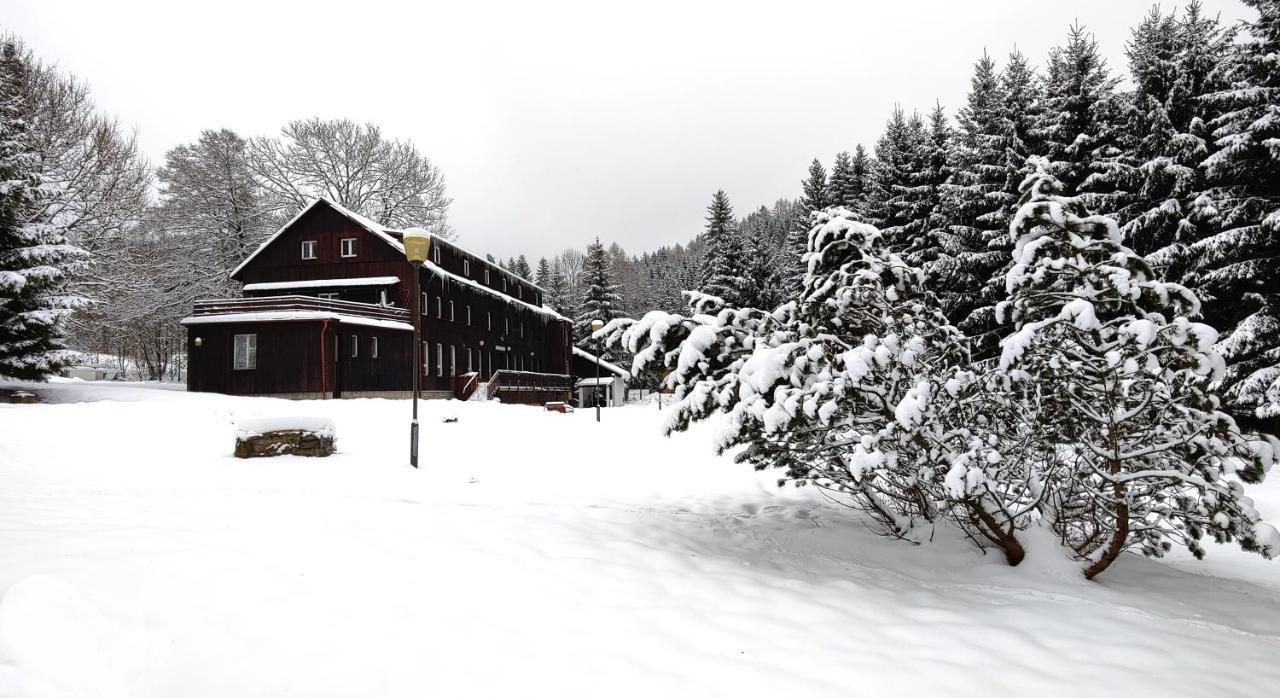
x=352 y=215
x=388 y=236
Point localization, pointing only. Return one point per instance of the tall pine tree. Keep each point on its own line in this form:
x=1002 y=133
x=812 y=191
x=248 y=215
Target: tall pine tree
x=600 y=299
x=724 y=262
x=1236 y=270
x=975 y=200
x=35 y=259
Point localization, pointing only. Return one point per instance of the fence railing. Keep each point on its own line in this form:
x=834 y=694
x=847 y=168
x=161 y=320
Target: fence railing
x=228 y=306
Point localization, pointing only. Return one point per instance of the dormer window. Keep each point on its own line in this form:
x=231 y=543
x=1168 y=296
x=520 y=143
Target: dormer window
x=347 y=247
x=308 y=249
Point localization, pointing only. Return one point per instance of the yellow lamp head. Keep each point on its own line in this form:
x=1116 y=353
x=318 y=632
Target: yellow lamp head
x=417 y=245
x=597 y=325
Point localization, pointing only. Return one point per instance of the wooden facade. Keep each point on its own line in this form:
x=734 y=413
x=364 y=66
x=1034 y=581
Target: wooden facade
x=330 y=285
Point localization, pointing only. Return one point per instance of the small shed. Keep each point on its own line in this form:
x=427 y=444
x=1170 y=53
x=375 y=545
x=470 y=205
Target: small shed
x=610 y=388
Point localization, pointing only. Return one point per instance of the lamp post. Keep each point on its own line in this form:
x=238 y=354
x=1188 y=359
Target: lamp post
x=596 y=326
x=417 y=243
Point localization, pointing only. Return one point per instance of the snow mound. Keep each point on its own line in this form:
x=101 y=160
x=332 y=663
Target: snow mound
x=257 y=426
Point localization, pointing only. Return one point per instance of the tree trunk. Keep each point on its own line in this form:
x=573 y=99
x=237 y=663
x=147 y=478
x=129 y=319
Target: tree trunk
x=1120 y=535
x=992 y=531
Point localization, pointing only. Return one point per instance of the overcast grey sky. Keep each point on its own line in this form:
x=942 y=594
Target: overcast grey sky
x=558 y=122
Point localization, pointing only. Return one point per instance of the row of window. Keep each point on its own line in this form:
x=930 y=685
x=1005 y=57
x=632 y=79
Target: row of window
x=475 y=360
x=488 y=316
x=346 y=248
x=245 y=355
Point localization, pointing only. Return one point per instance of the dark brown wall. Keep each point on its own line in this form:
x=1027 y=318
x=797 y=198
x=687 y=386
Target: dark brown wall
x=289 y=358
x=282 y=259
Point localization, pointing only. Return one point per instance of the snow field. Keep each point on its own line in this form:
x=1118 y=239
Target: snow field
x=540 y=554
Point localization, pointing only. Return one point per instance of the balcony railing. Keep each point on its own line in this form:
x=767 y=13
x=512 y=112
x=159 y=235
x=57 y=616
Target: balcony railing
x=229 y=306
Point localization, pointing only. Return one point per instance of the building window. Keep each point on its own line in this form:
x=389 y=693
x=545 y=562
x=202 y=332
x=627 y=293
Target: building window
x=246 y=352
x=435 y=253
x=488 y=321
x=355 y=346
x=468 y=359
x=504 y=284
x=466 y=267
x=506 y=324
x=453 y=361
x=308 y=249
x=439 y=305
x=373 y=347
x=450 y=311
x=439 y=359
x=347 y=247
x=520 y=292
x=486 y=277
x=426 y=358
x=426 y=302
x=468 y=314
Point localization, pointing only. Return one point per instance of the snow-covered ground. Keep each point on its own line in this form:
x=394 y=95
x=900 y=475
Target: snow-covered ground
x=540 y=554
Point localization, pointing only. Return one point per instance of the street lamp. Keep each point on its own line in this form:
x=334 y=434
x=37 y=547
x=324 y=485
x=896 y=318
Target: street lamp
x=417 y=243
x=596 y=326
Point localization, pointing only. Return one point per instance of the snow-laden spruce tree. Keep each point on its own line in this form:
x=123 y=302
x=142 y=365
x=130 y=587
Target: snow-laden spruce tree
x=35 y=259
x=1021 y=92
x=849 y=388
x=600 y=298
x=1236 y=268
x=724 y=263
x=1122 y=385
x=815 y=196
x=972 y=199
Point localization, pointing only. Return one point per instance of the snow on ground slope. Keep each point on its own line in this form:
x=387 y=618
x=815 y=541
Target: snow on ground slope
x=540 y=554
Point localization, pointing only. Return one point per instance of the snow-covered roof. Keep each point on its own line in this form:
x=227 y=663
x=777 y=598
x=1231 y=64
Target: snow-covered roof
x=285 y=315
x=593 y=382
x=323 y=283
x=625 y=374
x=386 y=236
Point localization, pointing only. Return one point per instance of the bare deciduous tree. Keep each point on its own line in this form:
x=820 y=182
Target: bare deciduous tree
x=353 y=164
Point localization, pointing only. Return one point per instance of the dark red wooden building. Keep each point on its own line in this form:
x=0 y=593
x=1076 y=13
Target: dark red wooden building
x=325 y=313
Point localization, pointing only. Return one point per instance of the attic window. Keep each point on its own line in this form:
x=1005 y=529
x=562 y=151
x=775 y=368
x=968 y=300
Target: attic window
x=308 y=249
x=347 y=247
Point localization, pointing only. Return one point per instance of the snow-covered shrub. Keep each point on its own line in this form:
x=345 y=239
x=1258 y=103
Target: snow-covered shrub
x=1122 y=385
x=851 y=388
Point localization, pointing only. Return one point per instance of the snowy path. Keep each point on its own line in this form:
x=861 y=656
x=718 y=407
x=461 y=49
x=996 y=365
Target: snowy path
x=536 y=554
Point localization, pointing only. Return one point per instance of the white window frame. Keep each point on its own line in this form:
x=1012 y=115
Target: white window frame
x=453 y=361
x=466 y=267
x=488 y=320
x=355 y=346
x=435 y=253
x=520 y=291
x=506 y=324
x=469 y=369
x=250 y=352
x=439 y=307
x=468 y=313
x=342 y=248
x=486 y=277
x=426 y=358
x=439 y=360
x=308 y=249
x=373 y=347
x=426 y=303
x=451 y=310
